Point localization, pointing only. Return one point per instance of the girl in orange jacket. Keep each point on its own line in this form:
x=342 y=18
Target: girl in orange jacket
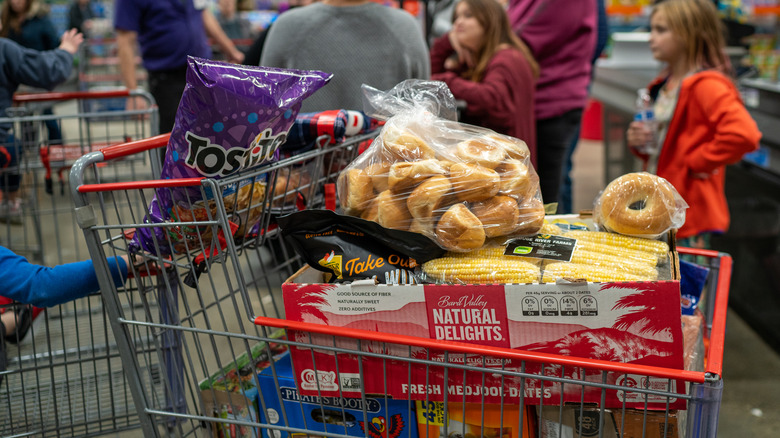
x=702 y=124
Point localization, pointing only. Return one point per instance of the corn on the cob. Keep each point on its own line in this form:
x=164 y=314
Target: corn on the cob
x=548 y=228
x=634 y=255
x=608 y=243
x=552 y=271
x=643 y=269
x=481 y=269
x=658 y=248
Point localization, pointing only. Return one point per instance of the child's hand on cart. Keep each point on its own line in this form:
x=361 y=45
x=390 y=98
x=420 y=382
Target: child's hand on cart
x=139 y=265
x=71 y=40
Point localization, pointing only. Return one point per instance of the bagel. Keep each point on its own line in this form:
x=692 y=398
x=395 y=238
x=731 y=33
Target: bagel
x=638 y=204
x=480 y=151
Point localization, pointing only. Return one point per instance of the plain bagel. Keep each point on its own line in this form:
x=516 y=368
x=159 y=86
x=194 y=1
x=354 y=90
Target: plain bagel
x=638 y=204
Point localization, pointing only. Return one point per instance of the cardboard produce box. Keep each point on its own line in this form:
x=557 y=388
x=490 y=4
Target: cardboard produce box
x=342 y=415
x=231 y=392
x=627 y=322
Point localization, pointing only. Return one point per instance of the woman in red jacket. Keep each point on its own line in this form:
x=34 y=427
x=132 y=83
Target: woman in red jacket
x=485 y=64
x=702 y=124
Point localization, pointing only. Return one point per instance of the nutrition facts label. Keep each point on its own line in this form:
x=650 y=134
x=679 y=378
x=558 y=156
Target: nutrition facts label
x=568 y=305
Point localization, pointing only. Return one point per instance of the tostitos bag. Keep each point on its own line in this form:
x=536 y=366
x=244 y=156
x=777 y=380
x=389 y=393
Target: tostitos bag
x=230 y=118
x=458 y=184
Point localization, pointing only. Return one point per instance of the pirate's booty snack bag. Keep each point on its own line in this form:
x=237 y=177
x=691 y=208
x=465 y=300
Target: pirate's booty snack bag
x=230 y=118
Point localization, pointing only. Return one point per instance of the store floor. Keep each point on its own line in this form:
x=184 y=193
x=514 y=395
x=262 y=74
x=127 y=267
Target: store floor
x=751 y=370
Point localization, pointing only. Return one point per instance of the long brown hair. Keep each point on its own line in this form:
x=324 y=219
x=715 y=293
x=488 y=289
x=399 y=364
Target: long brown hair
x=494 y=20
x=697 y=24
x=11 y=20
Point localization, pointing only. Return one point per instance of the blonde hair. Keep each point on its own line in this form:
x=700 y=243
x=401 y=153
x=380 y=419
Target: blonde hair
x=697 y=24
x=494 y=20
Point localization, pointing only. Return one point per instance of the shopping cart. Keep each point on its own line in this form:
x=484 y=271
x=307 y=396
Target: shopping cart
x=45 y=146
x=98 y=66
x=64 y=378
x=212 y=270
x=211 y=317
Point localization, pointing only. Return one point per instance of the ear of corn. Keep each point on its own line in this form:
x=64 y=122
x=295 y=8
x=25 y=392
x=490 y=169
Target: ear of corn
x=548 y=228
x=633 y=255
x=598 y=257
x=658 y=248
x=484 y=266
x=553 y=271
x=644 y=269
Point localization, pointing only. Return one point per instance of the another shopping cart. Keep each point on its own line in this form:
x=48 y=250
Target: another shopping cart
x=211 y=316
x=98 y=68
x=64 y=378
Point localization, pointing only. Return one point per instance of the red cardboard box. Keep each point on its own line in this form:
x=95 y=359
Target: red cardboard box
x=628 y=322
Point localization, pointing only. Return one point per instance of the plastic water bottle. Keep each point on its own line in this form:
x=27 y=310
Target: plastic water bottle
x=644 y=114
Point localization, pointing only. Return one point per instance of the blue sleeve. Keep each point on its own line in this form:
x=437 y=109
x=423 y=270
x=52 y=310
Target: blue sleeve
x=52 y=40
x=37 y=69
x=44 y=287
x=127 y=15
x=602 y=28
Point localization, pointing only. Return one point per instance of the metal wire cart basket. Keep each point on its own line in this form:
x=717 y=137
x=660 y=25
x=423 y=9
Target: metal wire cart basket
x=211 y=318
x=64 y=375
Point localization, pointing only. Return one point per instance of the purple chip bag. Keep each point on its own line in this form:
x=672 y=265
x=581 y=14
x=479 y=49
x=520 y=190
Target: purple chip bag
x=230 y=118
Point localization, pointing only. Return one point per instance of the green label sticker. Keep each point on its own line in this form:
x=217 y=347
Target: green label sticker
x=542 y=246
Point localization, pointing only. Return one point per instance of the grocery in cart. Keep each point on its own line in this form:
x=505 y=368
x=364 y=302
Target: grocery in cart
x=543 y=334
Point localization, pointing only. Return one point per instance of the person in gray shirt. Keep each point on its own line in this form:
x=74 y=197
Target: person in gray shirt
x=359 y=41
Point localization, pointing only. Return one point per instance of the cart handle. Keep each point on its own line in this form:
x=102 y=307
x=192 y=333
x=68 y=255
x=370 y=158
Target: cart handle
x=718 y=331
x=134 y=147
x=483 y=350
x=123 y=150
x=71 y=95
x=137 y=185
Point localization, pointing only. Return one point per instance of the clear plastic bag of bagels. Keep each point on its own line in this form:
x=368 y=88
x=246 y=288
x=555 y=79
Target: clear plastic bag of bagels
x=462 y=186
x=639 y=204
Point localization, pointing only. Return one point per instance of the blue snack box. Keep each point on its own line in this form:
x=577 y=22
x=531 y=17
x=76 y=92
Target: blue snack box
x=344 y=415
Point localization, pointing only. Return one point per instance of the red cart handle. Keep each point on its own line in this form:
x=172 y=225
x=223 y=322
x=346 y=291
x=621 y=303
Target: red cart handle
x=135 y=147
x=464 y=348
x=714 y=362
x=61 y=96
